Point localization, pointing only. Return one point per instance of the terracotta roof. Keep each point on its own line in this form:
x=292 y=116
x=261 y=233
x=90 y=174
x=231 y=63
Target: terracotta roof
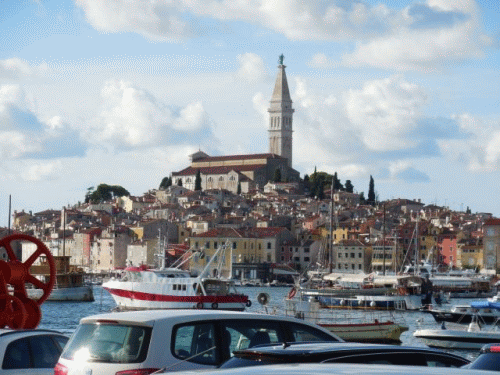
x=242 y=233
x=492 y=222
x=190 y=171
x=239 y=157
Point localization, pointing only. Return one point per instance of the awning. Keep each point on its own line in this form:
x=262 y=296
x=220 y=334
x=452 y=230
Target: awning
x=279 y=271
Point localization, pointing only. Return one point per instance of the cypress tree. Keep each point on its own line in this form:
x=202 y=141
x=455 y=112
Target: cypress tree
x=197 y=181
x=371 y=192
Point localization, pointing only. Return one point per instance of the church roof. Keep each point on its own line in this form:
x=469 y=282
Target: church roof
x=189 y=171
x=281 y=92
x=239 y=157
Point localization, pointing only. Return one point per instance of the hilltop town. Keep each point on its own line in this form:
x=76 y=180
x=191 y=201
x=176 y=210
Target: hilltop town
x=270 y=232
x=274 y=222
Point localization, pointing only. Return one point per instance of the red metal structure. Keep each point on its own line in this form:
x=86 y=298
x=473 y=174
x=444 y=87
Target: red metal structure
x=17 y=311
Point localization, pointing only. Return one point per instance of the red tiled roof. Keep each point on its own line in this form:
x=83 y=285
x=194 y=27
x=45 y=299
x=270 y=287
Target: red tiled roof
x=492 y=222
x=189 y=171
x=239 y=157
x=242 y=233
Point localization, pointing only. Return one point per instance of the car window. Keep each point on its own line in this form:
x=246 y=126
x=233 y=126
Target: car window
x=61 y=341
x=195 y=343
x=433 y=360
x=45 y=351
x=302 y=332
x=245 y=334
x=112 y=343
x=486 y=361
x=17 y=355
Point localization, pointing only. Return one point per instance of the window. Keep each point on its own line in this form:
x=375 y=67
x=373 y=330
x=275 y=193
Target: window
x=269 y=245
x=306 y=249
x=17 y=355
x=360 y=255
x=306 y=259
x=234 y=245
x=193 y=339
x=353 y=255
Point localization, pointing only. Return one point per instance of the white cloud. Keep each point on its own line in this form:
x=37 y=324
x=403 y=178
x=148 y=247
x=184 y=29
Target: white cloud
x=192 y=118
x=16 y=68
x=42 y=171
x=132 y=117
x=386 y=113
x=429 y=38
x=481 y=151
x=321 y=61
x=251 y=67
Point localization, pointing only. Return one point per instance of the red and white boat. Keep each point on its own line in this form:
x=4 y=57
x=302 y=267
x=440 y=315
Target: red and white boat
x=174 y=288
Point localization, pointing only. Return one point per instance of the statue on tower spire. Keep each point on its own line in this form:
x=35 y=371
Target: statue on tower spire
x=282 y=57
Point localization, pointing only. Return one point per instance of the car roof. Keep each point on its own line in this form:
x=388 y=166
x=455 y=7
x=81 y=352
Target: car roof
x=149 y=317
x=337 y=369
x=292 y=349
x=29 y=332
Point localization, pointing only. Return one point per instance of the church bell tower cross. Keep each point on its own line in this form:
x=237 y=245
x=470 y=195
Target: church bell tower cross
x=280 y=117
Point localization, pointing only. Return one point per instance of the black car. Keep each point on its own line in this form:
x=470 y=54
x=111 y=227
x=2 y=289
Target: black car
x=343 y=353
x=488 y=359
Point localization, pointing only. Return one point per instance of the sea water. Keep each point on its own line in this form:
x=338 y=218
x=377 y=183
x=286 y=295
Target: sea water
x=65 y=316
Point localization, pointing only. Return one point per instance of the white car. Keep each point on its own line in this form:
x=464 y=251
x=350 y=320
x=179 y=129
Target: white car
x=31 y=351
x=141 y=342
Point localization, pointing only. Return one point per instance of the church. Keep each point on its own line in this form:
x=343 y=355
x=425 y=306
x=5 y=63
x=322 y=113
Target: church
x=250 y=171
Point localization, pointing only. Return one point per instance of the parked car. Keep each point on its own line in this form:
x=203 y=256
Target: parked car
x=344 y=353
x=33 y=351
x=488 y=358
x=337 y=369
x=141 y=342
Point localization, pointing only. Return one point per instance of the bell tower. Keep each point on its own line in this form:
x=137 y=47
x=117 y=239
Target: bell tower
x=280 y=117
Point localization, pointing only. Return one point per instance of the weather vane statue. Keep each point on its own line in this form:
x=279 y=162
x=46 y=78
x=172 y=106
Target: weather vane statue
x=281 y=59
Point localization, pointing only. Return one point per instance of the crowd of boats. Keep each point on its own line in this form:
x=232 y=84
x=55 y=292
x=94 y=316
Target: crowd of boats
x=357 y=307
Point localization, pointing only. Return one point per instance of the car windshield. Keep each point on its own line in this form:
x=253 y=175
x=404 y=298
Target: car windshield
x=111 y=343
x=485 y=361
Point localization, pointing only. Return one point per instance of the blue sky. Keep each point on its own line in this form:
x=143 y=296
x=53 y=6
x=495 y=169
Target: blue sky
x=121 y=92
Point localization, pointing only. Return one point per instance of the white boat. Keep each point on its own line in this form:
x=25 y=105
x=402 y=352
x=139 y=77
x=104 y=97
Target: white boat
x=474 y=336
x=352 y=326
x=140 y=288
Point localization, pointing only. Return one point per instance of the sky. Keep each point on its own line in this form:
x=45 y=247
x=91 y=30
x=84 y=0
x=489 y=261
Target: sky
x=121 y=92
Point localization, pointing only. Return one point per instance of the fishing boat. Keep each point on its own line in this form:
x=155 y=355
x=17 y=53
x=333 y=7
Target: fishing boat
x=69 y=286
x=140 y=288
x=368 y=326
x=474 y=336
x=464 y=314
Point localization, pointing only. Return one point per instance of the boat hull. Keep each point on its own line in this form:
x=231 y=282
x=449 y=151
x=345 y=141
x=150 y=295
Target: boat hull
x=71 y=294
x=141 y=296
x=463 y=318
x=381 y=333
x=456 y=339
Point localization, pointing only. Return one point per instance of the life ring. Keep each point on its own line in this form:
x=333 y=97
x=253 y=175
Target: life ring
x=292 y=293
x=215 y=305
x=199 y=305
x=248 y=303
x=263 y=299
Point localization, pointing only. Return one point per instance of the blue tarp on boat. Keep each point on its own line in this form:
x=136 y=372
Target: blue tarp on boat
x=485 y=305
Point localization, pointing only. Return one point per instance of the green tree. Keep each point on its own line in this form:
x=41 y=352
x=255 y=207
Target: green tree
x=105 y=192
x=277 y=175
x=362 y=199
x=336 y=183
x=348 y=186
x=166 y=182
x=197 y=181
x=371 y=192
x=306 y=183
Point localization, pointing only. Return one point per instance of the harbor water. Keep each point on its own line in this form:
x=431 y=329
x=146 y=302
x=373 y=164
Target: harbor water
x=65 y=316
